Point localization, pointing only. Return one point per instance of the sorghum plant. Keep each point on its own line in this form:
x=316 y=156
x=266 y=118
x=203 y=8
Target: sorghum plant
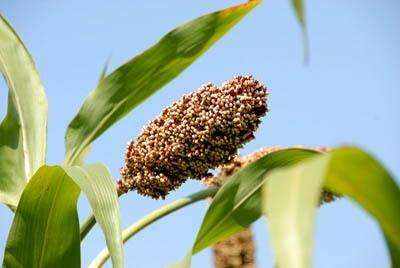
x=197 y=137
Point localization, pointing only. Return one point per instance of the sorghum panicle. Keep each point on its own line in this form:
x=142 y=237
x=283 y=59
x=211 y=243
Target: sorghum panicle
x=238 y=251
x=199 y=132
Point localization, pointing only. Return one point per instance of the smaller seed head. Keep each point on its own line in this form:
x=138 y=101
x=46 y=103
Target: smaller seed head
x=237 y=251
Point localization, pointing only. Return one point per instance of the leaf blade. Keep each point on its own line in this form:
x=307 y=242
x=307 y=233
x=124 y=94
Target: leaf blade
x=47 y=211
x=291 y=196
x=99 y=187
x=298 y=7
x=237 y=203
x=133 y=82
x=358 y=175
x=23 y=139
x=347 y=171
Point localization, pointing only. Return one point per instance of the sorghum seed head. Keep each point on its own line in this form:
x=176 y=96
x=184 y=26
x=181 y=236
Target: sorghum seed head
x=238 y=251
x=199 y=132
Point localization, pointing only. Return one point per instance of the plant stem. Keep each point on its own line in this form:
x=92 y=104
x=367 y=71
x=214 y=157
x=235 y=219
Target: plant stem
x=152 y=217
x=87 y=226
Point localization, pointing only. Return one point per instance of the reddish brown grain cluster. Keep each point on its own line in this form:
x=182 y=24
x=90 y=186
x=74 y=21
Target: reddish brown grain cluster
x=199 y=132
x=237 y=251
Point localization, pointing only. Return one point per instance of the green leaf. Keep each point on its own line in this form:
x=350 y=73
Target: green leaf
x=238 y=203
x=298 y=7
x=291 y=196
x=348 y=171
x=45 y=230
x=132 y=83
x=23 y=130
x=299 y=10
x=394 y=252
x=99 y=187
x=359 y=176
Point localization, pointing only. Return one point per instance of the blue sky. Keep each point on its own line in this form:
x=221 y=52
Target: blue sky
x=348 y=94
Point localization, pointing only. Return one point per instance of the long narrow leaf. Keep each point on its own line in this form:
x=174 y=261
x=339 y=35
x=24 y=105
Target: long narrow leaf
x=45 y=230
x=238 y=203
x=290 y=199
x=99 y=187
x=298 y=7
x=394 y=252
x=358 y=175
x=291 y=195
x=23 y=130
x=133 y=82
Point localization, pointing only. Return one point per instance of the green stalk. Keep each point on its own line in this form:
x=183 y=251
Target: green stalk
x=152 y=217
x=87 y=226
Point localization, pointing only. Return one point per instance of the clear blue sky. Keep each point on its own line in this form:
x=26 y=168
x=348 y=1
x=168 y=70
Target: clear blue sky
x=349 y=93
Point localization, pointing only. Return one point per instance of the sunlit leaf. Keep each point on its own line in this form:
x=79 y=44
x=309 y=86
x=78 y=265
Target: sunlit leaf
x=290 y=198
x=292 y=193
x=45 y=230
x=99 y=187
x=23 y=130
x=129 y=85
x=363 y=179
x=298 y=7
x=238 y=203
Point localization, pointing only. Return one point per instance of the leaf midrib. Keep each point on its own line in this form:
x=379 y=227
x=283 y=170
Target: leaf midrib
x=45 y=238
